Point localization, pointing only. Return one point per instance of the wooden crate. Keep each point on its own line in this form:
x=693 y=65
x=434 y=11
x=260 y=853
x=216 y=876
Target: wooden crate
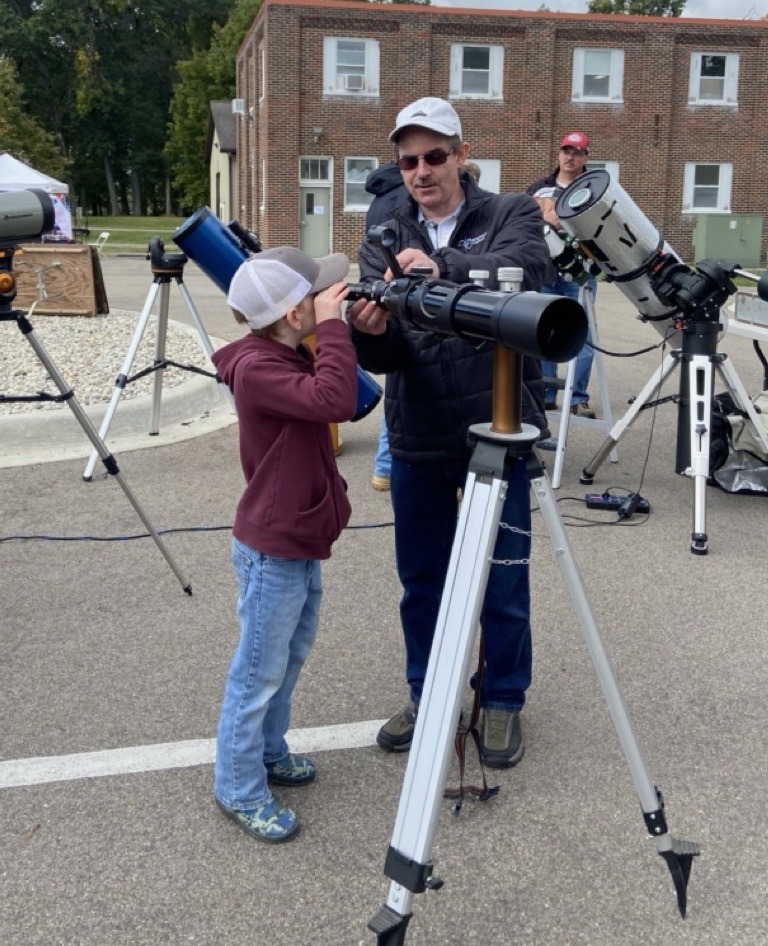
x=70 y=276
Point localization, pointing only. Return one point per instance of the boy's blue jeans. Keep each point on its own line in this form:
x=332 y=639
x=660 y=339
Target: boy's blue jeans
x=278 y=607
x=425 y=507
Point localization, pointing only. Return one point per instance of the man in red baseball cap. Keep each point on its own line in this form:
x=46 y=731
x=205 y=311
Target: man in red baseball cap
x=572 y=160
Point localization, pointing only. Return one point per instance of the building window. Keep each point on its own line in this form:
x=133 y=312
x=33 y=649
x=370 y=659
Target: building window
x=707 y=188
x=350 y=66
x=612 y=167
x=356 y=171
x=714 y=79
x=315 y=169
x=598 y=75
x=476 y=71
x=262 y=73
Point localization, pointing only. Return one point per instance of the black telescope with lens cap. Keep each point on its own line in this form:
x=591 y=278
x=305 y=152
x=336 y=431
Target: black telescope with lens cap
x=542 y=326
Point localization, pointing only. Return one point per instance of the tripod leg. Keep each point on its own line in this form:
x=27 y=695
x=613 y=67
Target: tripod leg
x=650 y=390
x=677 y=854
x=205 y=340
x=157 y=387
x=732 y=382
x=122 y=378
x=696 y=409
x=407 y=862
x=109 y=461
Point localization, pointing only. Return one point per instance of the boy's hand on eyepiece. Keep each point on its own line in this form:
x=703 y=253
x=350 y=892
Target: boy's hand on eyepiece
x=328 y=302
x=368 y=317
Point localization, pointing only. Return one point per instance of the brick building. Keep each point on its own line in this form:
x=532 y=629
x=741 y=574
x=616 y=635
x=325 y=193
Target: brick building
x=675 y=109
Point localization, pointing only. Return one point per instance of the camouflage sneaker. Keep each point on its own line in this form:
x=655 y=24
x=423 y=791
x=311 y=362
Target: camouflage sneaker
x=291 y=770
x=269 y=822
x=501 y=738
x=396 y=734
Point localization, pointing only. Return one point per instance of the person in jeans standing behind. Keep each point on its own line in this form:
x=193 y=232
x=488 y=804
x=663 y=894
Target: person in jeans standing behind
x=573 y=154
x=438 y=386
x=292 y=510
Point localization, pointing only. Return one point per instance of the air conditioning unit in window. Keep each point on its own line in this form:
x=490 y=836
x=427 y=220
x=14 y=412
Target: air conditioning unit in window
x=352 y=82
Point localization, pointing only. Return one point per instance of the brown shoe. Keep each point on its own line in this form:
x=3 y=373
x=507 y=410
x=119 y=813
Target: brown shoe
x=380 y=483
x=396 y=734
x=501 y=739
x=583 y=410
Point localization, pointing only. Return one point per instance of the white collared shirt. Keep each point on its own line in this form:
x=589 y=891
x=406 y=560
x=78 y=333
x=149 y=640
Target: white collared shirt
x=440 y=230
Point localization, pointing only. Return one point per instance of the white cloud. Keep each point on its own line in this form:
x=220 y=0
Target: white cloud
x=709 y=9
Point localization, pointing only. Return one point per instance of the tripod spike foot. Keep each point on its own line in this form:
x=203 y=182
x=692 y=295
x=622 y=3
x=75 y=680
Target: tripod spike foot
x=679 y=860
x=389 y=927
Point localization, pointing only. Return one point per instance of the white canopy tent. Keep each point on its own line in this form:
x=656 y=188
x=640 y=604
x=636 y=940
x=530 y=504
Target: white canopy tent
x=17 y=176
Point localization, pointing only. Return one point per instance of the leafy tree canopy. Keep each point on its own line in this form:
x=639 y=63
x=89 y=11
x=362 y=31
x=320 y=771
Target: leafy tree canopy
x=20 y=135
x=208 y=75
x=638 y=7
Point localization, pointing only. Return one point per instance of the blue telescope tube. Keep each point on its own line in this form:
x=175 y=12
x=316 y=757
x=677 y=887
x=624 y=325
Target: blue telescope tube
x=219 y=253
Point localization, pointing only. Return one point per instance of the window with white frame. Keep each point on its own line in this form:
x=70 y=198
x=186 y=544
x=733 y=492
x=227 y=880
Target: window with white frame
x=350 y=66
x=262 y=73
x=707 y=188
x=356 y=171
x=314 y=169
x=714 y=79
x=476 y=71
x=598 y=75
x=612 y=167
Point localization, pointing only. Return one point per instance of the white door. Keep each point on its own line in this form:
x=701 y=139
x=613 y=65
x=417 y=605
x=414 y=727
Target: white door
x=315 y=219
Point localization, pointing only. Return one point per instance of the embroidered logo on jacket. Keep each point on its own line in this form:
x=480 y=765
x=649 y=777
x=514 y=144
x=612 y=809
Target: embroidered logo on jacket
x=468 y=242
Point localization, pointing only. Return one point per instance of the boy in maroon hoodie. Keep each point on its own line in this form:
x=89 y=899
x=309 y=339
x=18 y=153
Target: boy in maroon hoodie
x=292 y=510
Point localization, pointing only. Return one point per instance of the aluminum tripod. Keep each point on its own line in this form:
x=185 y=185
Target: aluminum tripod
x=109 y=461
x=165 y=267
x=698 y=361
x=497 y=446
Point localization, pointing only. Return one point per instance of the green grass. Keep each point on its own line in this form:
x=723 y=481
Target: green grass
x=130 y=234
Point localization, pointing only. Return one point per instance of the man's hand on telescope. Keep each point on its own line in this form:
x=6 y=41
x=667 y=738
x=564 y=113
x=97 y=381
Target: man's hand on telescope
x=368 y=317
x=411 y=258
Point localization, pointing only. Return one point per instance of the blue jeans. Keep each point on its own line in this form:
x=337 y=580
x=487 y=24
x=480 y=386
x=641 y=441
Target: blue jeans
x=382 y=464
x=562 y=287
x=278 y=606
x=425 y=507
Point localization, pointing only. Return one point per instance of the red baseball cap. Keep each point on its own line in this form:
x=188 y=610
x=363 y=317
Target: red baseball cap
x=576 y=139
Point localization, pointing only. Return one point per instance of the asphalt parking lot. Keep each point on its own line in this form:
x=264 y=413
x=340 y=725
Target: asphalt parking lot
x=111 y=678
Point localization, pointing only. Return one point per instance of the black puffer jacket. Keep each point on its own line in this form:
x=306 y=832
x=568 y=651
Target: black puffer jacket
x=438 y=386
x=389 y=192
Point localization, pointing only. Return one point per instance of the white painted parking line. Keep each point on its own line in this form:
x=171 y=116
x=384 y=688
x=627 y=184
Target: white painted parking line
x=170 y=755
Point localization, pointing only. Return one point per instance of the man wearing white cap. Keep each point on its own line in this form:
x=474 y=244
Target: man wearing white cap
x=436 y=388
x=293 y=509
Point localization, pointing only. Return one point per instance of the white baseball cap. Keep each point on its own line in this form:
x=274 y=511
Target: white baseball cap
x=430 y=113
x=267 y=284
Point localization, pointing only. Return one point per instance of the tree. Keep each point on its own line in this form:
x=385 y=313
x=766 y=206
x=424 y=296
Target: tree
x=207 y=75
x=20 y=135
x=638 y=7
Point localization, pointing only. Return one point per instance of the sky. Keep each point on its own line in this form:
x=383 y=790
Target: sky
x=711 y=9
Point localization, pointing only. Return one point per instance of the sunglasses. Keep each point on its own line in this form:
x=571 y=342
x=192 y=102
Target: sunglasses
x=434 y=158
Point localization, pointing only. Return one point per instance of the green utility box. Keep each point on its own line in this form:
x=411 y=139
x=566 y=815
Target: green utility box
x=734 y=237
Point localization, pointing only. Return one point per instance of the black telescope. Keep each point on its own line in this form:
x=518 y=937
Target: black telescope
x=542 y=326
x=25 y=216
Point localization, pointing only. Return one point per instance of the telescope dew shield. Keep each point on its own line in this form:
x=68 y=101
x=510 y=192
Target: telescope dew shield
x=613 y=231
x=219 y=253
x=553 y=328
x=25 y=215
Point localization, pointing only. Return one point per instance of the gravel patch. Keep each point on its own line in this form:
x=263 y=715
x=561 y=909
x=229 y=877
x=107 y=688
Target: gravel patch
x=89 y=353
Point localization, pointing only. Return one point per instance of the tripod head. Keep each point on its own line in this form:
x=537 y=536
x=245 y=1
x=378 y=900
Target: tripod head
x=162 y=263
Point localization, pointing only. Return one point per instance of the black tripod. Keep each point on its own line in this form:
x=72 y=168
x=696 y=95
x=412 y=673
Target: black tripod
x=67 y=395
x=166 y=268
x=497 y=447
